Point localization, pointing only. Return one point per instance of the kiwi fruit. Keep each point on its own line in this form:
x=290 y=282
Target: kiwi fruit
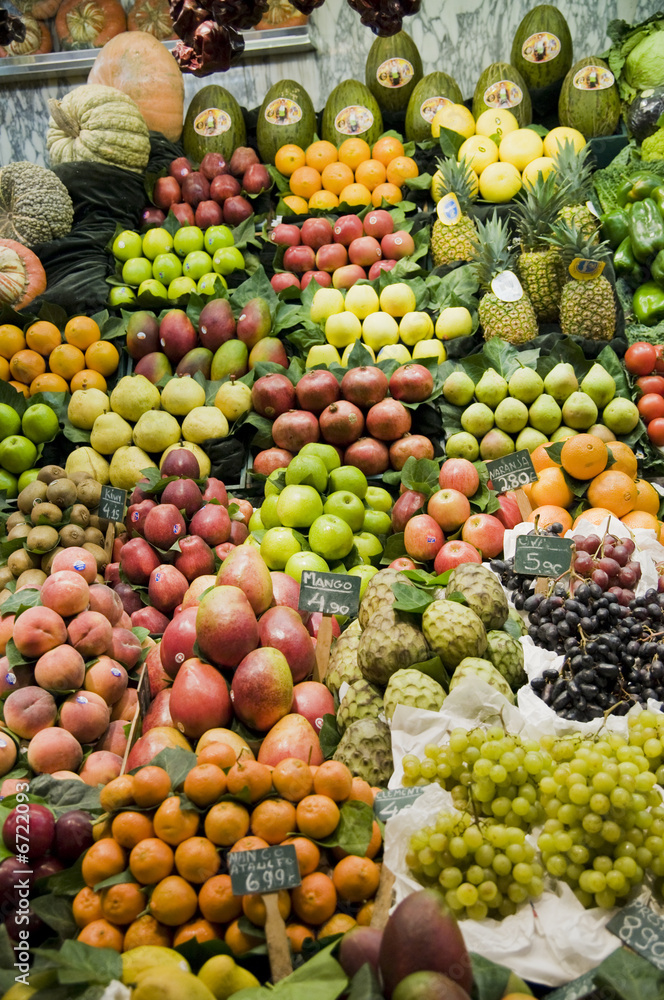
x=89 y=492
x=95 y=536
x=79 y=514
x=80 y=477
x=6 y=576
x=62 y=492
x=31 y=578
x=35 y=490
x=19 y=531
x=21 y=560
x=42 y=539
x=71 y=534
x=98 y=522
x=16 y=518
x=100 y=555
x=47 y=560
x=51 y=472
x=46 y=513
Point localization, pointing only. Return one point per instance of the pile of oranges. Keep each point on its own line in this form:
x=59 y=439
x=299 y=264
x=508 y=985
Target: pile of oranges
x=178 y=888
x=323 y=177
x=42 y=359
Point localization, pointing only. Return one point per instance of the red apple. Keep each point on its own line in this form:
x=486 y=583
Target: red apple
x=184 y=214
x=403 y=563
x=378 y=223
x=256 y=179
x=152 y=217
x=285 y=235
x=423 y=537
x=212 y=165
x=321 y=277
x=316 y=232
x=331 y=256
x=299 y=259
x=364 y=251
x=509 y=513
x=208 y=213
x=236 y=210
x=454 y=554
x=195 y=188
x=348 y=228
x=449 y=509
x=224 y=186
x=166 y=192
x=459 y=474
x=345 y=277
x=397 y=245
x=380 y=265
x=485 y=532
x=284 y=280
x=179 y=168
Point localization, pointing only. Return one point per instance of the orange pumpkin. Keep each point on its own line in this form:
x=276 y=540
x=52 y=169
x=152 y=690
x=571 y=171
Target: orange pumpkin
x=37 y=39
x=140 y=66
x=39 y=9
x=153 y=16
x=88 y=24
x=22 y=277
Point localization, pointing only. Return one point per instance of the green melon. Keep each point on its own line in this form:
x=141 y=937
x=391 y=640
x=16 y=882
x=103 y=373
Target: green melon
x=592 y=111
x=288 y=103
x=351 y=111
x=213 y=124
x=555 y=52
x=489 y=94
x=393 y=70
x=431 y=88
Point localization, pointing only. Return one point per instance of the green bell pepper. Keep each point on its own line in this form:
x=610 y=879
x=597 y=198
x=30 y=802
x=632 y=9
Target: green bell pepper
x=657 y=269
x=624 y=261
x=646 y=230
x=638 y=187
x=648 y=304
x=615 y=226
x=658 y=196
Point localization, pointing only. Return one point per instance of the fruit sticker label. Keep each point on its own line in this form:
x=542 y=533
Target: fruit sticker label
x=541 y=47
x=283 y=111
x=593 y=78
x=212 y=121
x=586 y=270
x=503 y=94
x=507 y=287
x=354 y=120
x=430 y=107
x=395 y=73
x=448 y=209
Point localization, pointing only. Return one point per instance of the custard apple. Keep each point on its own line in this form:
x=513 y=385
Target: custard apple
x=361 y=701
x=453 y=631
x=379 y=593
x=483 y=592
x=474 y=667
x=366 y=749
x=389 y=643
x=342 y=666
x=412 y=687
x=506 y=654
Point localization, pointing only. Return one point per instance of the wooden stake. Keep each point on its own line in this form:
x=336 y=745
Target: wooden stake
x=278 y=947
x=323 y=643
x=130 y=738
x=110 y=539
x=525 y=508
x=383 y=902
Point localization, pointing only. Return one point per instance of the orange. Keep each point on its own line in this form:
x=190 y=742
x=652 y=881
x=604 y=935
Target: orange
x=308 y=854
x=613 y=490
x=122 y=903
x=249 y=843
x=641 y=519
x=129 y=828
x=226 y=823
x=43 y=337
x=103 y=859
x=298 y=206
x=317 y=816
x=196 y=930
x=151 y=786
x=387 y=149
x=249 y=780
x=151 y=861
x=355 y=194
x=371 y=851
x=324 y=201
x=584 y=456
x=647 y=497
x=197 y=859
x=386 y=192
x=48 y=383
x=238 y=941
x=622 y=459
x=86 y=906
x=217 y=902
x=334 y=780
x=87 y=379
x=542 y=460
x=356 y=879
x=550 y=514
x=102 y=357
x=595 y=515
x=297 y=934
x=549 y=488
x=273 y=820
x=4 y=369
x=20 y=387
x=118 y=793
x=291 y=777
x=174 y=824
x=147 y=930
x=253 y=907
x=67 y=360
x=101 y=829
x=365 y=913
x=101 y=934
x=337 y=924
x=305 y=181
x=371 y=173
x=353 y=151
x=12 y=340
x=26 y=365
x=315 y=899
x=289 y=158
x=220 y=754
x=336 y=176
x=204 y=784
x=400 y=169
x=173 y=901
x=361 y=792
x=319 y=154
x=81 y=331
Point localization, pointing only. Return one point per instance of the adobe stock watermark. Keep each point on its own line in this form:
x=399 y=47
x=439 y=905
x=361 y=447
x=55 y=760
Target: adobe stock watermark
x=22 y=874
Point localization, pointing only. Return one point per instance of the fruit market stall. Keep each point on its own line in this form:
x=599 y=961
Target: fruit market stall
x=332 y=525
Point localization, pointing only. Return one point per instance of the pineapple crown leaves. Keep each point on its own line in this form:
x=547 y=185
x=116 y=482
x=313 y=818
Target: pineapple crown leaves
x=571 y=242
x=536 y=209
x=493 y=252
x=459 y=179
x=573 y=169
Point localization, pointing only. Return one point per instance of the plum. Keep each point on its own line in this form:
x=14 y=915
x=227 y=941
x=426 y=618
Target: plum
x=31 y=824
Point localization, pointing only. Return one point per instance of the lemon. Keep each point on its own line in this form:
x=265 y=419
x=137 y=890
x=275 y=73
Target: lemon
x=559 y=136
x=479 y=151
x=326 y=302
x=397 y=352
x=415 y=326
x=170 y=983
x=203 y=461
x=397 y=299
x=346 y=355
x=500 y=182
x=148 y=956
x=380 y=329
x=204 y=422
x=361 y=300
x=223 y=977
x=181 y=395
x=322 y=354
x=520 y=147
x=438 y=187
x=455 y=321
x=456 y=117
x=342 y=329
x=430 y=349
x=542 y=165
x=233 y=399
x=498 y=122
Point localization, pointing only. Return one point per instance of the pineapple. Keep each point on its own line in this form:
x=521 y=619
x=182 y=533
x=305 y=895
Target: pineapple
x=513 y=321
x=452 y=243
x=573 y=172
x=539 y=265
x=587 y=308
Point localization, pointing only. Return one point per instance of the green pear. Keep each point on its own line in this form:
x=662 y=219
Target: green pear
x=530 y=439
x=526 y=385
x=156 y=430
x=133 y=396
x=495 y=444
x=127 y=466
x=491 y=388
x=110 y=432
x=458 y=389
x=603 y=432
x=599 y=385
x=477 y=419
x=462 y=445
x=562 y=434
x=545 y=414
x=579 y=411
x=232 y=358
x=511 y=415
x=620 y=415
x=561 y=382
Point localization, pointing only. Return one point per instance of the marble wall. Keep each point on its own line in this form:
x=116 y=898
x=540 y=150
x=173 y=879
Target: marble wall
x=458 y=36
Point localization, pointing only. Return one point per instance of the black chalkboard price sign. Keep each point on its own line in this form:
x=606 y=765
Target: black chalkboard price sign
x=543 y=555
x=329 y=593
x=641 y=930
x=267 y=870
x=388 y=803
x=512 y=472
x=112 y=503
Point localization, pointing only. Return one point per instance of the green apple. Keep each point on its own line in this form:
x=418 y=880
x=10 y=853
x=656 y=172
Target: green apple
x=462 y=445
x=154 y=288
x=271 y=485
x=347 y=477
x=181 y=286
x=347 y=506
x=368 y=546
x=40 y=423
x=227 y=259
x=127 y=244
x=376 y=522
x=17 y=453
x=217 y=237
x=256 y=522
x=278 y=545
x=376 y=498
x=156 y=241
x=187 y=240
x=9 y=485
x=307 y=470
x=326 y=452
x=196 y=264
x=121 y=295
x=299 y=506
x=206 y=284
x=136 y=269
x=330 y=537
x=27 y=477
x=365 y=572
x=166 y=268
x=268 y=510
x=10 y=422
x=302 y=561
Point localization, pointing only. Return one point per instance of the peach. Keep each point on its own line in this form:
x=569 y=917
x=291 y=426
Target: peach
x=114 y=739
x=124 y=621
x=66 y=776
x=90 y=633
x=125 y=647
x=8 y=753
x=104 y=600
x=77 y=560
x=6 y=632
x=28 y=710
x=12 y=680
x=196 y=589
x=10 y=786
x=54 y=749
x=37 y=630
x=101 y=767
x=65 y=592
x=107 y=678
x=60 y=669
x=125 y=708
x=85 y=715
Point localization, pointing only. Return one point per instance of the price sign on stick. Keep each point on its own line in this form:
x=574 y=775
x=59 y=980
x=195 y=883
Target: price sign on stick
x=642 y=930
x=513 y=472
x=267 y=871
x=330 y=594
x=543 y=555
x=112 y=503
x=388 y=803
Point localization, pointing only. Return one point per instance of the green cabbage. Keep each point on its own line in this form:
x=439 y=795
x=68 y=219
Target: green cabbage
x=644 y=66
x=636 y=57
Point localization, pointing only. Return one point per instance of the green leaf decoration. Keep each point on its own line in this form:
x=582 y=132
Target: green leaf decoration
x=353 y=833
x=450 y=142
x=489 y=979
x=81 y=963
x=120 y=879
x=421 y=475
x=394 y=548
x=554 y=451
x=329 y=736
x=176 y=761
x=67 y=882
x=410 y=598
x=171 y=223
x=21 y=601
x=63 y=796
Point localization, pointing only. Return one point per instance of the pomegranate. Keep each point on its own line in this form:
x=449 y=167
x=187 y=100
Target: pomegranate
x=316 y=390
x=410 y=444
x=295 y=428
x=411 y=384
x=341 y=422
x=369 y=455
x=272 y=395
x=364 y=386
